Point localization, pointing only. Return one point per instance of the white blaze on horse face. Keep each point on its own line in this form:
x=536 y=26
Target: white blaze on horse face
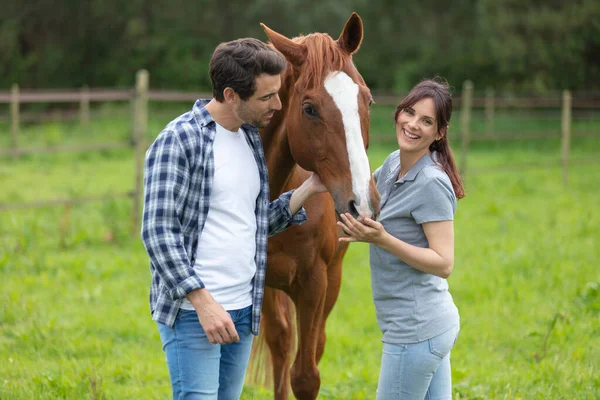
x=345 y=96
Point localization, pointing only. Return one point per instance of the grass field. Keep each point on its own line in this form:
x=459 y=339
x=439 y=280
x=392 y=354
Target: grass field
x=74 y=319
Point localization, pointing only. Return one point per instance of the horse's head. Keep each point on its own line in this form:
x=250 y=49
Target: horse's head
x=326 y=107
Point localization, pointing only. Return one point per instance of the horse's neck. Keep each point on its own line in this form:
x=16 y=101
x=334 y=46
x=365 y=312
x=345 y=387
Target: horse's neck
x=280 y=162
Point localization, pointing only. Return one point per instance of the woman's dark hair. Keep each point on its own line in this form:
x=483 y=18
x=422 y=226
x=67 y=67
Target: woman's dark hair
x=439 y=91
x=236 y=64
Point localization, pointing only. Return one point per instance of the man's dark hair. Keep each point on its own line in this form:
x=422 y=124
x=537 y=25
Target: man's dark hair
x=236 y=64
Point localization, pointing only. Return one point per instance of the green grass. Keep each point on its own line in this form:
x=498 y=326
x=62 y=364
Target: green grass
x=74 y=319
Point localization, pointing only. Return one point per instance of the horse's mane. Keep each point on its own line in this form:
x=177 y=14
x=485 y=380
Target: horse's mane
x=323 y=56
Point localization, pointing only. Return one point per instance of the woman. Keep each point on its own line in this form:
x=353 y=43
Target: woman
x=412 y=249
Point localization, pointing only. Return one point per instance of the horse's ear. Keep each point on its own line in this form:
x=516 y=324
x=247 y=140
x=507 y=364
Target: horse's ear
x=294 y=52
x=351 y=37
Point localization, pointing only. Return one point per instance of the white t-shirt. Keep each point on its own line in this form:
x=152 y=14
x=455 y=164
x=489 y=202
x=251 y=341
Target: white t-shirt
x=227 y=244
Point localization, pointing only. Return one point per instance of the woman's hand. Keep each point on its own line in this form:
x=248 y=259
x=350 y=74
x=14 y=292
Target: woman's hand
x=361 y=230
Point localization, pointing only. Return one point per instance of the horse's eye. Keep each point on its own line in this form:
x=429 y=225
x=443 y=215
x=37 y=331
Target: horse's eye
x=310 y=110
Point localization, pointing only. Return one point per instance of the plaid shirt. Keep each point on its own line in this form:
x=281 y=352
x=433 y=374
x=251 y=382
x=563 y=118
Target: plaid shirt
x=178 y=179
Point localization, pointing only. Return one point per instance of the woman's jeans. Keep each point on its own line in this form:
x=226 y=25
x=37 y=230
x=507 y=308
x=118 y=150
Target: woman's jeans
x=417 y=371
x=200 y=370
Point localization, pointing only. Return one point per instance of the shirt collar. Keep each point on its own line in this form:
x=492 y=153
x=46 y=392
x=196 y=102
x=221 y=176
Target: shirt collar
x=205 y=119
x=425 y=161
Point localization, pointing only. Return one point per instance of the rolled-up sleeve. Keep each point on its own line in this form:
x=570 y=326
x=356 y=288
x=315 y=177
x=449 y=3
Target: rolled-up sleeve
x=166 y=185
x=280 y=215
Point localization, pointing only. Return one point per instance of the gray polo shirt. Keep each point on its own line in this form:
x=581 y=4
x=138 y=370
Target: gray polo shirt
x=412 y=306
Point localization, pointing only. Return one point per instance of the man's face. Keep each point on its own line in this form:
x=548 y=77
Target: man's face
x=259 y=108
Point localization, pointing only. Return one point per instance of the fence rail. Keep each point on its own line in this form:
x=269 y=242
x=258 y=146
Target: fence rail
x=493 y=101
x=140 y=95
x=93 y=95
x=582 y=101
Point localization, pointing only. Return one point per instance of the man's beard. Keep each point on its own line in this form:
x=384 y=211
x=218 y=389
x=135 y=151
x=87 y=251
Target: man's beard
x=247 y=116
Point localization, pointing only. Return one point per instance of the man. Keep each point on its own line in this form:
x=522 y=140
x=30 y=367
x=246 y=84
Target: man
x=206 y=220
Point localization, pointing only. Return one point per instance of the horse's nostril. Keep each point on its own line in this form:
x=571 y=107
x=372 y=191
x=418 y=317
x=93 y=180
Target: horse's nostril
x=352 y=208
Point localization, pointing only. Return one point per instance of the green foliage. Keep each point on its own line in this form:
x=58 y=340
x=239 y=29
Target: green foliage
x=510 y=45
x=542 y=46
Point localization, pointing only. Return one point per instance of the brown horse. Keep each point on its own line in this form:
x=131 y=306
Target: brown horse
x=322 y=127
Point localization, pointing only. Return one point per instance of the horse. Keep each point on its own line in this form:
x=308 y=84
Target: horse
x=322 y=127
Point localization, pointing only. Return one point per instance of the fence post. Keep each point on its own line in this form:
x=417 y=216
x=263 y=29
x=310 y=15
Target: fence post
x=139 y=133
x=489 y=111
x=566 y=134
x=15 y=117
x=84 y=107
x=465 y=122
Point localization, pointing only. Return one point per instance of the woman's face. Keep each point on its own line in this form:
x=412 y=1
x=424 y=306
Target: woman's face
x=417 y=128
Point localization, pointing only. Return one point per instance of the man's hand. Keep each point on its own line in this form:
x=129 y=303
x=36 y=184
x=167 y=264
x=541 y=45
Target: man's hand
x=215 y=321
x=315 y=184
x=310 y=187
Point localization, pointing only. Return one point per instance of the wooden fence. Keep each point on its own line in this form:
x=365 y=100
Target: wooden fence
x=139 y=99
x=140 y=95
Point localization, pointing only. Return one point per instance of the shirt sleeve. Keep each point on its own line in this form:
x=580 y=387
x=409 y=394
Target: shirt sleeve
x=437 y=202
x=280 y=215
x=166 y=184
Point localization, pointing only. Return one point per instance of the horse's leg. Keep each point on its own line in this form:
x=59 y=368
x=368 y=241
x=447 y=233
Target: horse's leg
x=334 y=281
x=309 y=296
x=277 y=324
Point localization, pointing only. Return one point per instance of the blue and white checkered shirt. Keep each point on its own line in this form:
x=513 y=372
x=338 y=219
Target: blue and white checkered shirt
x=178 y=179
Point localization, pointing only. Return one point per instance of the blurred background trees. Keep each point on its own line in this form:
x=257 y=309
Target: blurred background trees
x=512 y=45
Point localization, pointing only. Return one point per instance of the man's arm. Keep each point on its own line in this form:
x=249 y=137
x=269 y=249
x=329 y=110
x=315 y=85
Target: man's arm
x=166 y=183
x=287 y=209
x=308 y=189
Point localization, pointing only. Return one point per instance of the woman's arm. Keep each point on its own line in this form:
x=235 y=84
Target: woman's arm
x=437 y=259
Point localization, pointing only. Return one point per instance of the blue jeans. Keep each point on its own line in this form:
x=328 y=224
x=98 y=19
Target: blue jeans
x=200 y=370
x=417 y=371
